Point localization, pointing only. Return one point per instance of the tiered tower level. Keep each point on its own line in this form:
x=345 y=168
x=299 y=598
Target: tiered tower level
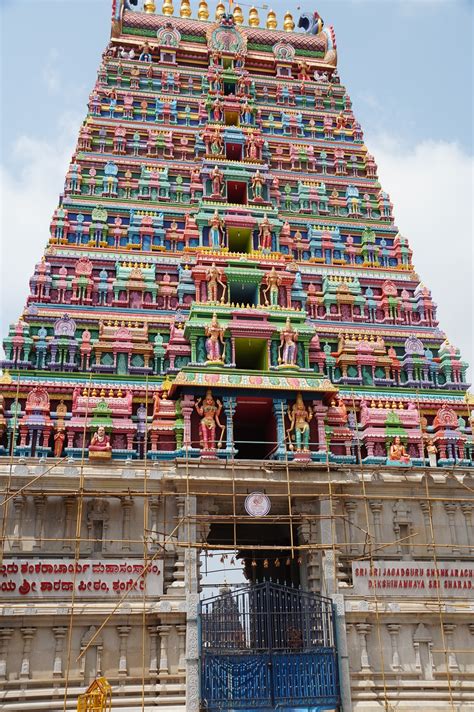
x=222 y=226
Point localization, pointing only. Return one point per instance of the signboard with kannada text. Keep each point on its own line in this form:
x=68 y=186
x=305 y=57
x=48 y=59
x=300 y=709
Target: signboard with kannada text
x=26 y=579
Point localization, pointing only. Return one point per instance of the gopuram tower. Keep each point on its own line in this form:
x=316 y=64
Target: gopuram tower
x=227 y=359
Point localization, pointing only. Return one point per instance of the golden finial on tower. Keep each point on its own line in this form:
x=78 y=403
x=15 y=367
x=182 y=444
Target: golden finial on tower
x=220 y=10
x=288 y=24
x=149 y=6
x=271 y=20
x=185 y=9
x=203 y=10
x=254 y=19
x=167 y=8
x=238 y=16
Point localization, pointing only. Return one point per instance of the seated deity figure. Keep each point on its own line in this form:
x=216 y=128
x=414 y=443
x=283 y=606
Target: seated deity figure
x=397 y=451
x=300 y=417
x=100 y=444
x=288 y=347
x=209 y=410
x=214 y=280
x=215 y=340
x=271 y=289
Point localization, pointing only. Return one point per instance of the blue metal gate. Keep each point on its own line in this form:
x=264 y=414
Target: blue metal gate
x=268 y=647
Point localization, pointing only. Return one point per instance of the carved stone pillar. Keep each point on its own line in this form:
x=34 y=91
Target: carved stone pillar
x=5 y=636
x=68 y=503
x=279 y=409
x=164 y=631
x=363 y=630
x=376 y=506
x=449 y=629
x=466 y=508
x=320 y=411
x=178 y=574
x=181 y=630
x=425 y=510
x=229 y=409
x=27 y=634
x=123 y=631
x=18 y=507
x=154 y=523
x=394 y=630
x=59 y=635
x=450 y=509
x=351 y=509
x=187 y=406
x=126 y=516
x=40 y=503
x=153 y=633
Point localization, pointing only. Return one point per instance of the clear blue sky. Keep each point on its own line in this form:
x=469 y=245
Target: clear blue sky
x=407 y=64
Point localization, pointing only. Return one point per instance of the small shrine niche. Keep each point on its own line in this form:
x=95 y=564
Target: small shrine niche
x=168 y=40
x=284 y=54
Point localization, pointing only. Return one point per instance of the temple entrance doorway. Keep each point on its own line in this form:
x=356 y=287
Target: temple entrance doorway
x=254 y=428
x=260 y=564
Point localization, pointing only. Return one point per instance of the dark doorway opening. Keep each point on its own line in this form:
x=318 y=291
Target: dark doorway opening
x=245 y=294
x=260 y=564
x=254 y=428
x=237 y=192
x=233 y=151
x=229 y=88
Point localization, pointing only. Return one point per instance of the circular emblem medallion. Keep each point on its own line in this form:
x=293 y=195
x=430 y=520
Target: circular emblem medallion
x=257 y=504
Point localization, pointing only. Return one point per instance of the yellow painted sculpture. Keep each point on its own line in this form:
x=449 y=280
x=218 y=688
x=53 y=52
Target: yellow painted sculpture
x=97 y=698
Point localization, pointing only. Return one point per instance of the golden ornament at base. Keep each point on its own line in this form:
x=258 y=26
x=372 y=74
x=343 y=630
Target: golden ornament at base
x=220 y=10
x=149 y=6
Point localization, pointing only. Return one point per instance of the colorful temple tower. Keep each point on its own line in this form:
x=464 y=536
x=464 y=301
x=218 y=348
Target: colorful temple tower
x=226 y=307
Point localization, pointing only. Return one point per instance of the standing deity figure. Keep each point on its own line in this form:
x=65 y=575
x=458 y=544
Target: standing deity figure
x=265 y=234
x=288 y=347
x=215 y=231
x=272 y=281
x=214 y=279
x=217 y=181
x=432 y=451
x=209 y=410
x=300 y=417
x=258 y=181
x=398 y=452
x=59 y=438
x=214 y=340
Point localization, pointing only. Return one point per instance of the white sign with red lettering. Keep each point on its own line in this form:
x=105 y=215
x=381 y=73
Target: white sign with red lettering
x=89 y=578
x=414 y=578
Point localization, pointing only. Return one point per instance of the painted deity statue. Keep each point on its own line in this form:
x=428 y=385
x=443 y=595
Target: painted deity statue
x=432 y=451
x=258 y=181
x=100 y=442
x=265 y=234
x=59 y=438
x=217 y=181
x=214 y=280
x=209 y=410
x=288 y=347
x=215 y=231
x=398 y=452
x=271 y=290
x=215 y=340
x=300 y=417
